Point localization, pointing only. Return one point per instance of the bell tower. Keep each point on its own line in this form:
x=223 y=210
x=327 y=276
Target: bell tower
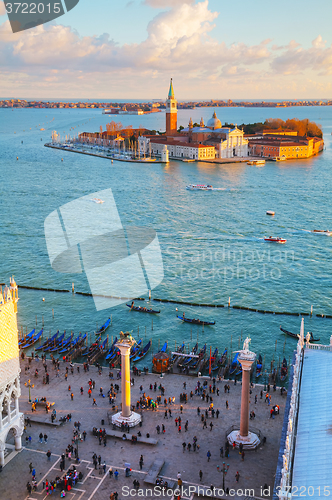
x=171 y=112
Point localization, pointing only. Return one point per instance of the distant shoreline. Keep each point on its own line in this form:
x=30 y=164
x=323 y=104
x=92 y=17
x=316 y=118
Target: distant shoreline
x=157 y=105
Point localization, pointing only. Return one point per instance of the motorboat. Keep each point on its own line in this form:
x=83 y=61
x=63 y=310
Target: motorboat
x=270 y=212
x=272 y=239
x=256 y=162
x=321 y=231
x=199 y=187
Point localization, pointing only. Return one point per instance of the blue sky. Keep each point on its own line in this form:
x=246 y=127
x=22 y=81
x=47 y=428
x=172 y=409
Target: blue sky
x=213 y=49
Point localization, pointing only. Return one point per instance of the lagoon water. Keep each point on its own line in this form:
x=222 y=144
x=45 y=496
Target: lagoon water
x=212 y=242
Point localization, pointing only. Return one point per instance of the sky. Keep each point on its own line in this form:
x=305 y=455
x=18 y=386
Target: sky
x=213 y=49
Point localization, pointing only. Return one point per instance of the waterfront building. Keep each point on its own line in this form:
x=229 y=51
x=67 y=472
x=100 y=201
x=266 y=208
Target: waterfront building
x=10 y=417
x=286 y=146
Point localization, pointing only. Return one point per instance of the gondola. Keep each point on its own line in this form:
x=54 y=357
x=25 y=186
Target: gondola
x=72 y=344
x=196 y=321
x=195 y=362
x=142 y=309
x=214 y=360
x=104 y=327
x=92 y=347
x=57 y=343
x=223 y=359
x=259 y=366
x=175 y=357
x=47 y=342
x=283 y=370
x=235 y=364
x=143 y=352
x=111 y=350
x=33 y=340
x=186 y=360
x=26 y=338
x=135 y=349
x=164 y=347
x=61 y=342
x=296 y=335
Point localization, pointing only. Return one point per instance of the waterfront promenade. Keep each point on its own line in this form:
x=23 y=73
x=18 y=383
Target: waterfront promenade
x=256 y=470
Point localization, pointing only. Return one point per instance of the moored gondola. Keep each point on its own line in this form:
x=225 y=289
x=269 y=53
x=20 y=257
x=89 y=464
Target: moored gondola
x=104 y=327
x=196 y=321
x=296 y=335
x=144 y=351
x=235 y=365
x=32 y=340
x=283 y=370
x=47 y=342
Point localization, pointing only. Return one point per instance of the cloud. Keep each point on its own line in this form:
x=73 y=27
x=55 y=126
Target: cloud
x=296 y=60
x=179 y=43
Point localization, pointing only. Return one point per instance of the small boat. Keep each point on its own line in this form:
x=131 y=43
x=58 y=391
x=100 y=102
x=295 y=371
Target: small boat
x=47 y=342
x=199 y=187
x=104 y=327
x=195 y=362
x=175 y=357
x=223 y=358
x=296 y=335
x=142 y=309
x=279 y=158
x=321 y=231
x=188 y=159
x=135 y=349
x=256 y=162
x=143 y=352
x=186 y=360
x=97 y=200
x=71 y=344
x=26 y=338
x=111 y=350
x=259 y=366
x=196 y=321
x=32 y=340
x=59 y=343
x=235 y=364
x=283 y=370
x=270 y=212
x=273 y=239
x=164 y=347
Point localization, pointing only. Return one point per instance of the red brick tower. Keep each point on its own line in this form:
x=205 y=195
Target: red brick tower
x=171 y=112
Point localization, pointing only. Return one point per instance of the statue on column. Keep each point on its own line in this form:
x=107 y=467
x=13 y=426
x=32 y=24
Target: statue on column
x=246 y=344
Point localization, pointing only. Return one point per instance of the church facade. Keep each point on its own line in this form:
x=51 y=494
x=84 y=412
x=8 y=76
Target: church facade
x=205 y=142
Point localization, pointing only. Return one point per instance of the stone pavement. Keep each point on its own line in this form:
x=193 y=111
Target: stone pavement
x=257 y=468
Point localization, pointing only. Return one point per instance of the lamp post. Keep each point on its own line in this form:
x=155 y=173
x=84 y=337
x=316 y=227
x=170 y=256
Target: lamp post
x=265 y=382
x=76 y=440
x=28 y=384
x=224 y=473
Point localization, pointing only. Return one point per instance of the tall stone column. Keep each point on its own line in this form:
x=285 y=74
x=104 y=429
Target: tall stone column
x=125 y=380
x=249 y=440
x=125 y=416
x=244 y=422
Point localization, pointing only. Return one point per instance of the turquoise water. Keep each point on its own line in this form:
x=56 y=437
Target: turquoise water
x=212 y=243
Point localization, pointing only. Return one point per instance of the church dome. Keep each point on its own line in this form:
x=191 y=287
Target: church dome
x=214 y=122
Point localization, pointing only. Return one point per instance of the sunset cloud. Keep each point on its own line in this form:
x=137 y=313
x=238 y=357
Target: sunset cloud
x=178 y=43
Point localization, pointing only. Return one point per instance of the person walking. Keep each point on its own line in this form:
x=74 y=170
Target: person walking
x=226 y=405
x=208 y=456
x=141 y=461
x=200 y=475
x=30 y=467
x=211 y=426
x=48 y=454
x=41 y=437
x=237 y=476
x=221 y=451
x=242 y=454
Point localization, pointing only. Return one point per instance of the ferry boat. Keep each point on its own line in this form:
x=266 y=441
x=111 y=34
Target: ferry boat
x=256 y=162
x=199 y=187
x=275 y=240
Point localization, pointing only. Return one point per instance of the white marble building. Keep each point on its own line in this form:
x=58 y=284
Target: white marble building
x=10 y=417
